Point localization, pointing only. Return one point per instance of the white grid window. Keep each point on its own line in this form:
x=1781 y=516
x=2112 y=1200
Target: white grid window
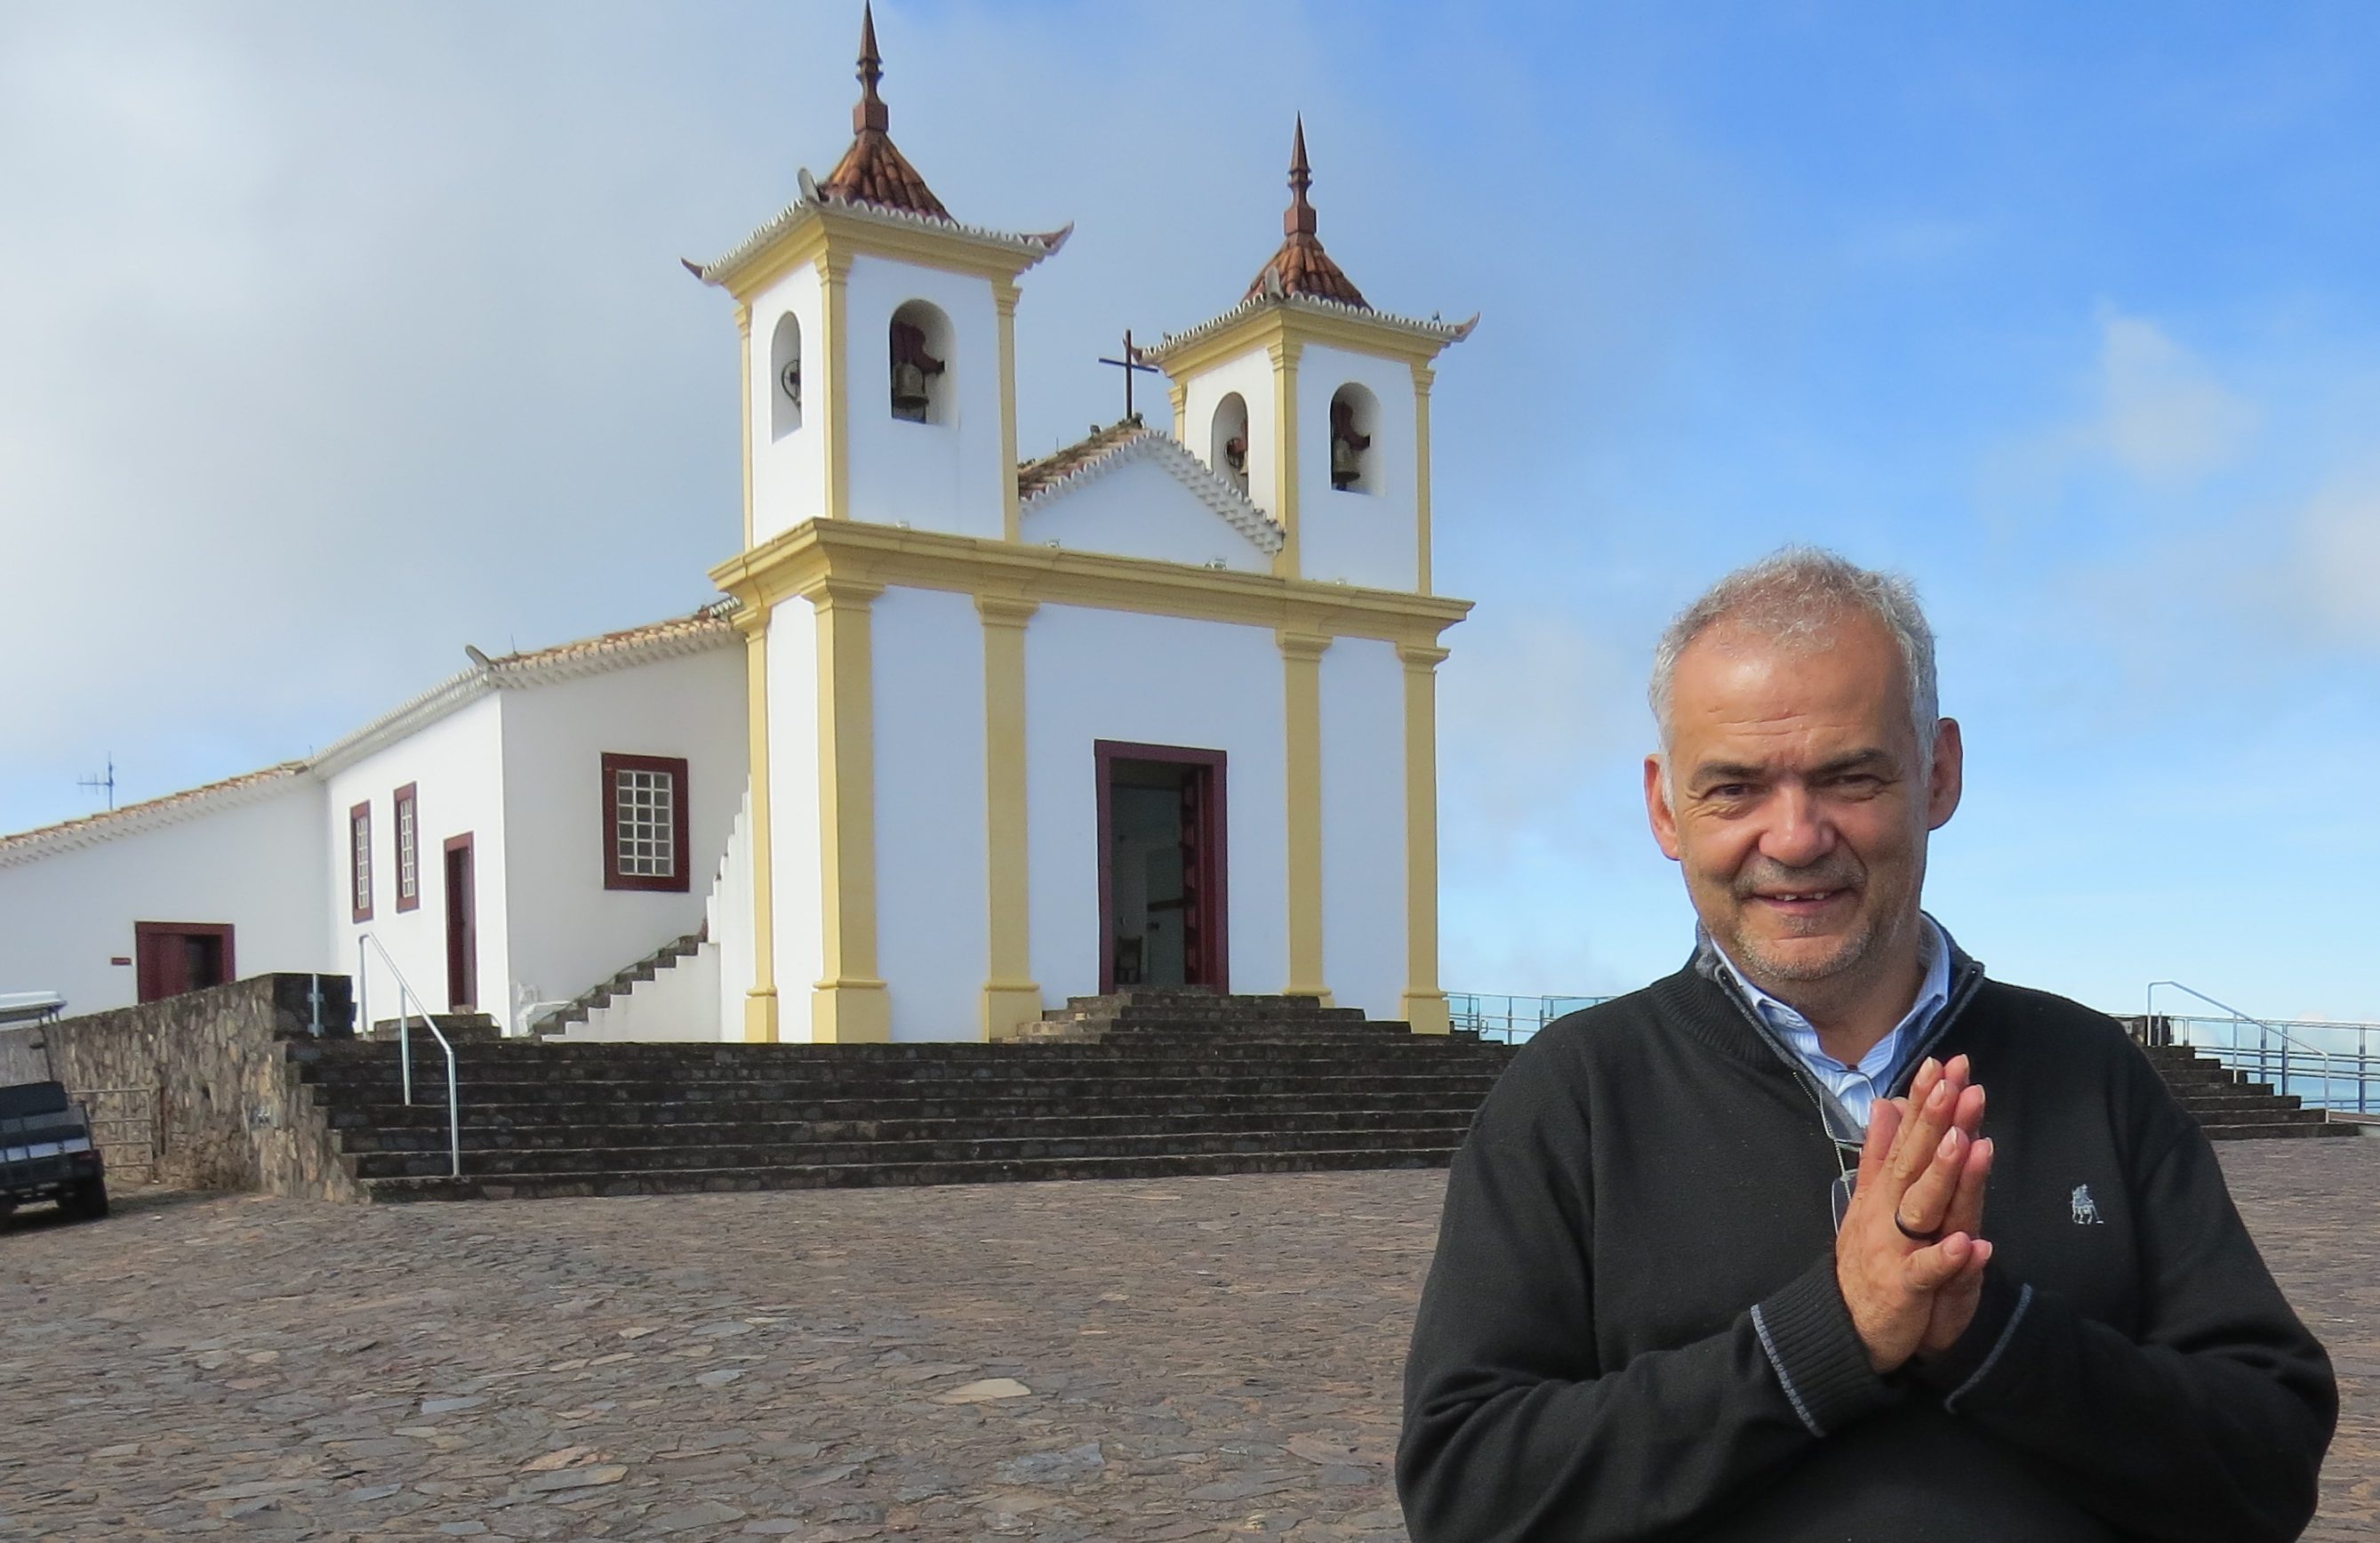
x=408 y=864
x=645 y=823
x=359 y=826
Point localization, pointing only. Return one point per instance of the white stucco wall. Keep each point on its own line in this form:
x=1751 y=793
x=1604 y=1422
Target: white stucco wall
x=1250 y=374
x=567 y=931
x=932 y=924
x=254 y=863
x=457 y=767
x=1364 y=825
x=1142 y=510
x=728 y=915
x=799 y=948
x=1098 y=675
x=1369 y=538
x=943 y=476
x=788 y=474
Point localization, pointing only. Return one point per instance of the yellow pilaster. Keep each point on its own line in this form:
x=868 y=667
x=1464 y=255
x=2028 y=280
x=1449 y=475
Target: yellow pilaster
x=1180 y=391
x=1010 y=997
x=834 y=282
x=849 y=1003
x=1283 y=353
x=744 y=352
x=1005 y=295
x=1302 y=665
x=1422 y=377
x=761 y=1002
x=1424 y=1003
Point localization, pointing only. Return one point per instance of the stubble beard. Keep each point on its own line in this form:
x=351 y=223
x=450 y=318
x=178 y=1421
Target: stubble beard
x=1800 y=977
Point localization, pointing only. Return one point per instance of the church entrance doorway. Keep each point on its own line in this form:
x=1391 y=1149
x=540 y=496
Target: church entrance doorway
x=1162 y=890
x=462 y=928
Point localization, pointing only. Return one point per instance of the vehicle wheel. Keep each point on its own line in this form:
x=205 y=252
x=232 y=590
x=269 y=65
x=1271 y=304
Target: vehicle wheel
x=87 y=1200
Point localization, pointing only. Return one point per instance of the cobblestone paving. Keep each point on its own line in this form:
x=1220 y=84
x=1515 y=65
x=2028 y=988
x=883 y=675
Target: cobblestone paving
x=1145 y=1360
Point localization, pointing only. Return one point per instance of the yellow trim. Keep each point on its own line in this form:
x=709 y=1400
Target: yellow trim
x=834 y=321
x=795 y=561
x=1003 y=296
x=849 y=1003
x=1301 y=692
x=761 y=1024
x=848 y=236
x=744 y=351
x=1010 y=999
x=1424 y=1004
x=1284 y=451
x=1271 y=326
x=1180 y=391
x=1422 y=377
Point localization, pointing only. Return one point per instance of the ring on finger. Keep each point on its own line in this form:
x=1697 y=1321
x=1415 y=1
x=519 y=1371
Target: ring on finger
x=1913 y=1235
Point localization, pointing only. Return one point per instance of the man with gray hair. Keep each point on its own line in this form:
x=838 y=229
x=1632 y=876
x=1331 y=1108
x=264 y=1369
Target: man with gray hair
x=1715 y=1263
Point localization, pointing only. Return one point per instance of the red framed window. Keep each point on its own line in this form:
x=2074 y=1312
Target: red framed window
x=359 y=884
x=644 y=822
x=406 y=808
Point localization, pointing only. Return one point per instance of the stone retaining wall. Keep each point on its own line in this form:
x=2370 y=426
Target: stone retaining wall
x=231 y=1112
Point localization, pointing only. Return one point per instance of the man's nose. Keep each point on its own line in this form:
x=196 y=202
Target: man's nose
x=1799 y=834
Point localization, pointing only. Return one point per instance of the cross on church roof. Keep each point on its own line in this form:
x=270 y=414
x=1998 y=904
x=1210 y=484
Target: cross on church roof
x=1131 y=362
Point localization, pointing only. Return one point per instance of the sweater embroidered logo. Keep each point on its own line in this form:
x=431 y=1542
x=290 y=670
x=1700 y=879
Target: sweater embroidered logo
x=2086 y=1210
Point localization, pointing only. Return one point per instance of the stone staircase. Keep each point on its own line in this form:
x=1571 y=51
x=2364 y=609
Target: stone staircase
x=624 y=981
x=1142 y=1085
x=2230 y=1108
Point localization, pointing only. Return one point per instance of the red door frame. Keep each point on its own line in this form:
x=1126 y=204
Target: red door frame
x=151 y=980
x=1212 y=876
x=462 y=925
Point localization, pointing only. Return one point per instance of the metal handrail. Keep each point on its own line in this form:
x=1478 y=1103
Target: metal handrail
x=406 y=996
x=2360 y=1068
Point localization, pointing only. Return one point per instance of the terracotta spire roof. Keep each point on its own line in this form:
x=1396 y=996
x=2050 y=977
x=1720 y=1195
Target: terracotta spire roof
x=1302 y=267
x=872 y=171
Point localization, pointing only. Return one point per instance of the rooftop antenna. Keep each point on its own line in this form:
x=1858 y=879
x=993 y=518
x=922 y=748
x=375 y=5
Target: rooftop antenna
x=99 y=783
x=1132 y=362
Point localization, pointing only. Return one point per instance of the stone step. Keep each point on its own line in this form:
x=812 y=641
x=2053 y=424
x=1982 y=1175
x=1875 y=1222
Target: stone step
x=431 y=1114
x=1320 y=1159
x=460 y=1029
x=428 y=1135
x=2256 y=1131
x=995 y=1149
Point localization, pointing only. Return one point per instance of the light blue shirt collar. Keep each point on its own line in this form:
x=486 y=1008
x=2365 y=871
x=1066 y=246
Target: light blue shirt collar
x=1856 y=1087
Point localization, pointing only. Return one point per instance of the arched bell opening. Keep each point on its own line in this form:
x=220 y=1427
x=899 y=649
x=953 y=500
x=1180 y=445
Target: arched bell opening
x=1354 y=415
x=1228 y=445
x=921 y=363
x=785 y=377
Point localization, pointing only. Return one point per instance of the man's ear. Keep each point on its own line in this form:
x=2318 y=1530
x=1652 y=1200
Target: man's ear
x=1657 y=808
x=1949 y=778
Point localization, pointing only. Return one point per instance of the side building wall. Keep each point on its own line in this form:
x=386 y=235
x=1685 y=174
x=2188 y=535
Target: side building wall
x=253 y=864
x=568 y=931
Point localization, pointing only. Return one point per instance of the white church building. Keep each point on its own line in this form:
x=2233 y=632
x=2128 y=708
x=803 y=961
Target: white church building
x=962 y=738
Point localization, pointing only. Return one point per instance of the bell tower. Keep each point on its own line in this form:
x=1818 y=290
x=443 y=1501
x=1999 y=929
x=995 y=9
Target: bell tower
x=1318 y=405
x=878 y=345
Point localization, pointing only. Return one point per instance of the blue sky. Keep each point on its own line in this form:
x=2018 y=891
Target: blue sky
x=332 y=339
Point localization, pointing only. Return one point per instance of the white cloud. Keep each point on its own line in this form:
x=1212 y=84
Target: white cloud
x=2164 y=417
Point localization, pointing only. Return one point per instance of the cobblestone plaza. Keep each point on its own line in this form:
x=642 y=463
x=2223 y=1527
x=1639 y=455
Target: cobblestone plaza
x=1141 y=1360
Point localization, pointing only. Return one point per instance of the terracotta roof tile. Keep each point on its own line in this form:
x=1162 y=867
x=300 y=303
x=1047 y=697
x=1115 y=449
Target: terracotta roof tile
x=150 y=807
x=873 y=170
x=1034 y=475
x=1302 y=267
x=711 y=618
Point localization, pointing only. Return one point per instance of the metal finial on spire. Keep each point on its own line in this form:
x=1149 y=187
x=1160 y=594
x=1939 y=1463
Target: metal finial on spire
x=870 y=112
x=1299 y=220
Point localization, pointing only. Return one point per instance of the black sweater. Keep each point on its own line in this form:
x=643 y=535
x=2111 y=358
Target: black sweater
x=1632 y=1329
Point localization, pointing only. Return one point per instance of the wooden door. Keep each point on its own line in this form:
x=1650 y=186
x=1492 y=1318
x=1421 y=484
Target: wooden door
x=171 y=957
x=461 y=927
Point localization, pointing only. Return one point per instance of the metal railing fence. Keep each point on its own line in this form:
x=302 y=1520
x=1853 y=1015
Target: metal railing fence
x=1511 y=1019
x=366 y=945
x=2328 y=1065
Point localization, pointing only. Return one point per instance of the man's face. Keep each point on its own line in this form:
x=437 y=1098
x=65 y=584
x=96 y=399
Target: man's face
x=1796 y=804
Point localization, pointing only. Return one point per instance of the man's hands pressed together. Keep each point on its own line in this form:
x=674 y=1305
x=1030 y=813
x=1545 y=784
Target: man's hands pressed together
x=1922 y=1175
